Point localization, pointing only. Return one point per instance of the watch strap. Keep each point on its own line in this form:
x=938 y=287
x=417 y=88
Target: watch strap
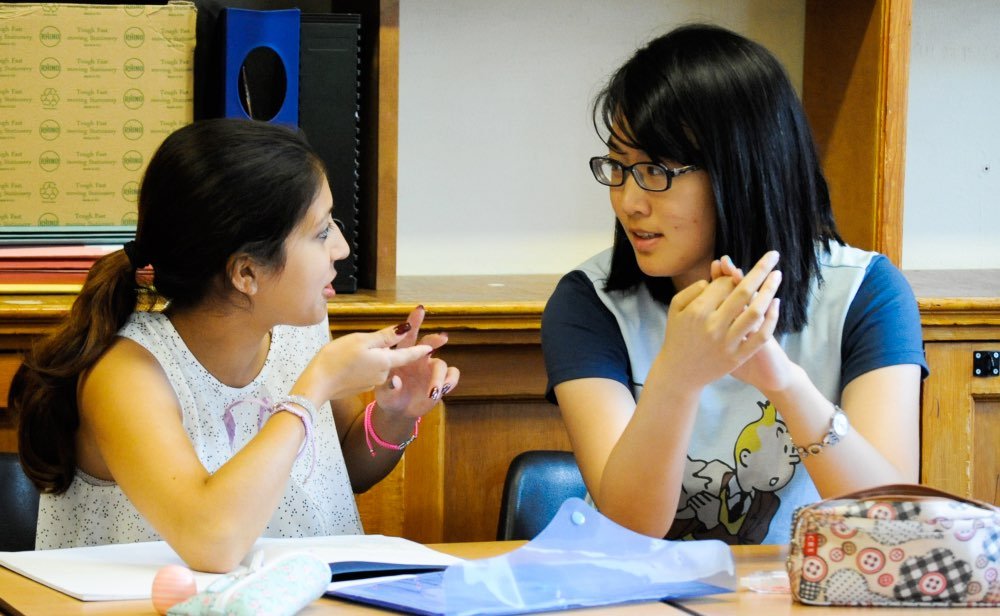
x=830 y=439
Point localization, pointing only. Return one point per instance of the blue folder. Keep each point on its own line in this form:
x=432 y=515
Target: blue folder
x=581 y=559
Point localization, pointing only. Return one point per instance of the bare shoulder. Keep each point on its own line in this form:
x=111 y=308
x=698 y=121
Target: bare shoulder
x=125 y=373
x=125 y=401
x=124 y=357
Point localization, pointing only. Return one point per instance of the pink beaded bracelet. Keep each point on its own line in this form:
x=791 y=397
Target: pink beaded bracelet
x=371 y=435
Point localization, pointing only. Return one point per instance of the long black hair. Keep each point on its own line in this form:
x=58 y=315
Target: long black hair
x=212 y=189
x=707 y=96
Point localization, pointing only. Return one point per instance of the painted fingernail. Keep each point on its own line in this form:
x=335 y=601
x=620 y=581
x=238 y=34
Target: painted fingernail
x=402 y=328
x=446 y=388
x=435 y=394
x=392 y=384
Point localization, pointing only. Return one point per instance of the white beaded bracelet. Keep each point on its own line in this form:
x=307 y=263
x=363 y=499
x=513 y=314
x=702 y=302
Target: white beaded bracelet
x=302 y=401
x=306 y=415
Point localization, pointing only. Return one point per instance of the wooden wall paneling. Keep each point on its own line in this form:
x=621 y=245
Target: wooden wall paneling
x=482 y=438
x=960 y=425
x=854 y=91
x=897 y=16
x=960 y=413
x=424 y=473
x=9 y=363
x=381 y=508
x=985 y=450
x=409 y=502
x=388 y=145
x=497 y=411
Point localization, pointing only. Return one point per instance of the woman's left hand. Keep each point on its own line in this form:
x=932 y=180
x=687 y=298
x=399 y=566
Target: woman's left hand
x=414 y=389
x=769 y=369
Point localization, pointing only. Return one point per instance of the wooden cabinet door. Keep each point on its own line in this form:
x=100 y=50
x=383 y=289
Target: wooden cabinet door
x=9 y=363
x=960 y=429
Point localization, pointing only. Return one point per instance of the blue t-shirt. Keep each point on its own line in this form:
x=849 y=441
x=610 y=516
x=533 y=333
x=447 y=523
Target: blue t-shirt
x=863 y=317
x=581 y=338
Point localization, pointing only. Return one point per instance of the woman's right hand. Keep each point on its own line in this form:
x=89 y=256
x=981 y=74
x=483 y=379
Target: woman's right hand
x=768 y=369
x=356 y=363
x=715 y=326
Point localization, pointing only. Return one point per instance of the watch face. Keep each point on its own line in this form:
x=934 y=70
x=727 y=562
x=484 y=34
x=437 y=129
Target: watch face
x=839 y=423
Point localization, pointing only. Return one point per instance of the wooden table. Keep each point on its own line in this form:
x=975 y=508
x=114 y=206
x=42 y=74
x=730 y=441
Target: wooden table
x=19 y=595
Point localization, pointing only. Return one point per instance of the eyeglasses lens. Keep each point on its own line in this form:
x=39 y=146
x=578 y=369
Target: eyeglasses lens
x=652 y=177
x=649 y=176
x=607 y=172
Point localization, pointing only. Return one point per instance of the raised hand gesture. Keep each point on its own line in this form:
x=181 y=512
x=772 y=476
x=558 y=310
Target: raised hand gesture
x=414 y=388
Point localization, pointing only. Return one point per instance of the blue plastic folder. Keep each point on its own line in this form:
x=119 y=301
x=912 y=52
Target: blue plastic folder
x=581 y=559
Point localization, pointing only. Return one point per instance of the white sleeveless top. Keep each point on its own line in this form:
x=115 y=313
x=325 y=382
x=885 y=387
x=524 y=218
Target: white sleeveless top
x=96 y=512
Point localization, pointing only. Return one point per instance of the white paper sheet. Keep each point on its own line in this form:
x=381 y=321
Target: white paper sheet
x=126 y=571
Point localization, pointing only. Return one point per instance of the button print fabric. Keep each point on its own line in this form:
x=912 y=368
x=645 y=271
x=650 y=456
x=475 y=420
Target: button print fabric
x=912 y=546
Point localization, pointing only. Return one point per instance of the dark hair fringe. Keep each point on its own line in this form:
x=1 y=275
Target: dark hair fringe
x=675 y=100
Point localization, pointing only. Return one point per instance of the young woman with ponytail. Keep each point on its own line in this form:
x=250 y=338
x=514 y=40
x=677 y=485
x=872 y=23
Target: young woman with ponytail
x=207 y=406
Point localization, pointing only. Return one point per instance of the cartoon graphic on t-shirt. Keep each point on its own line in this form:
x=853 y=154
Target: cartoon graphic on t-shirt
x=736 y=503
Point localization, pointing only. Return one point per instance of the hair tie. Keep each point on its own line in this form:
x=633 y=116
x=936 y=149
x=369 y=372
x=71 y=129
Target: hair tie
x=135 y=256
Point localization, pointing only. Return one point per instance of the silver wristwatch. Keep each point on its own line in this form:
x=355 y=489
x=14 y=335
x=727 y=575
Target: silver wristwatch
x=838 y=430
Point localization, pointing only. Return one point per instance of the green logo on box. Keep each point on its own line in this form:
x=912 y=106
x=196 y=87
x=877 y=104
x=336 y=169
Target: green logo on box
x=135 y=37
x=49 y=192
x=130 y=218
x=49 y=68
x=133 y=98
x=49 y=130
x=134 y=68
x=49 y=160
x=135 y=10
x=132 y=130
x=49 y=98
x=132 y=160
x=50 y=36
x=130 y=191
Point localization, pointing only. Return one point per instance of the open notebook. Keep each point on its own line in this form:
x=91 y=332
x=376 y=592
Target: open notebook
x=126 y=571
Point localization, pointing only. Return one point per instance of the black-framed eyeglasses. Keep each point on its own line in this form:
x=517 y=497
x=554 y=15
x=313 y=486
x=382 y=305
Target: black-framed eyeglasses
x=648 y=175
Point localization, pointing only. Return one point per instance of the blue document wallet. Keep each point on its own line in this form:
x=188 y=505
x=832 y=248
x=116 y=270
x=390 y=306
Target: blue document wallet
x=581 y=559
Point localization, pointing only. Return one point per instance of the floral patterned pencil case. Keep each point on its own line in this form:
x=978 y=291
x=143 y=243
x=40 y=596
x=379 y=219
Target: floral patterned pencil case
x=281 y=587
x=896 y=545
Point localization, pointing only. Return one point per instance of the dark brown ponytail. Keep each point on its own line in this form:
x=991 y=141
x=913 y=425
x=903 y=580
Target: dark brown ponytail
x=43 y=392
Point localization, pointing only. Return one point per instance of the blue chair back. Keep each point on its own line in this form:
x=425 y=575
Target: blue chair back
x=18 y=506
x=536 y=485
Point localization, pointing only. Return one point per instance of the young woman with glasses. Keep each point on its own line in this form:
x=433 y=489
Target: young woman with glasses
x=229 y=414
x=729 y=358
